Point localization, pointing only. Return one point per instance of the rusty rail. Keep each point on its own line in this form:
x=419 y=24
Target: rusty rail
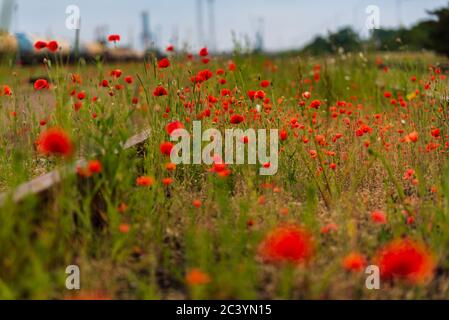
x=51 y=179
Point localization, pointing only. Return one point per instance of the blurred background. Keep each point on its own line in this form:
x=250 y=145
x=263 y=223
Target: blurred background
x=221 y=25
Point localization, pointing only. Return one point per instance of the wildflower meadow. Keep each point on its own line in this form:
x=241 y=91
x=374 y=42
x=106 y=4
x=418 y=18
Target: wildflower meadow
x=362 y=160
x=356 y=206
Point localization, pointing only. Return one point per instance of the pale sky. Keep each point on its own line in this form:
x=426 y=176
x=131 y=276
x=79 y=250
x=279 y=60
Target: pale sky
x=287 y=23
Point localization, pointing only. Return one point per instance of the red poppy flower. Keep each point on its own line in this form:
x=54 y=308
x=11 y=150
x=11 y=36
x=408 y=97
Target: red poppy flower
x=354 y=262
x=378 y=217
x=124 y=228
x=170 y=48
x=236 y=119
x=160 y=91
x=117 y=73
x=265 y=83
x=203 y=75
x=406 y=259
x=53 y=46
x=77 y=106
x=122 y=207
x=81 y=95
x=313 y=154
x=7 y=90
x=41 y=84
x=197 y=203
x=218 y=167
x=145 y=181
x=225 y=92
x=288 y=243
x=315 y=104
x=94 y=166
x=435 y=133
x=114 y=38
x=260 y=94
x=412 y=137
x=224 y=173
x=167 y=181
x=197 y=277
x=39 y=45
x=283 y=135
x=410 y=220
x=321 y=140
x=166 y=148
x=76 y=78
x=170 y=166
x=203 y=52
x=331 y=227
x=164 y=63
x=129 y=79
x=172 y=126
x=251 y=94
x=55 y=141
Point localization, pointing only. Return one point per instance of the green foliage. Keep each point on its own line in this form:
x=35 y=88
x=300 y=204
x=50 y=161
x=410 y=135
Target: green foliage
x=425 y=35
x=439 y=31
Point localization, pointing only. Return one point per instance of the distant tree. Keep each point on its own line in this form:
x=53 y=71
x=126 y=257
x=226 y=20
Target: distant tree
x=386 y=39
x=439 y=31
x=416 y=38
x=430 y=34
x=319 y=45
x=345 y=38
x=419 y=36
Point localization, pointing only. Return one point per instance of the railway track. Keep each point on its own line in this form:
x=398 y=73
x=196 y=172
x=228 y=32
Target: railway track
x=50 y=180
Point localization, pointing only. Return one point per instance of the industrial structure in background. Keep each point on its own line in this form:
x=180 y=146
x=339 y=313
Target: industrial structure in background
x=212 y=39
x=146 y=31
x=6 y=14
x=210 y=42
x=20 y=46
x=260 y=28
x=8 y=43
